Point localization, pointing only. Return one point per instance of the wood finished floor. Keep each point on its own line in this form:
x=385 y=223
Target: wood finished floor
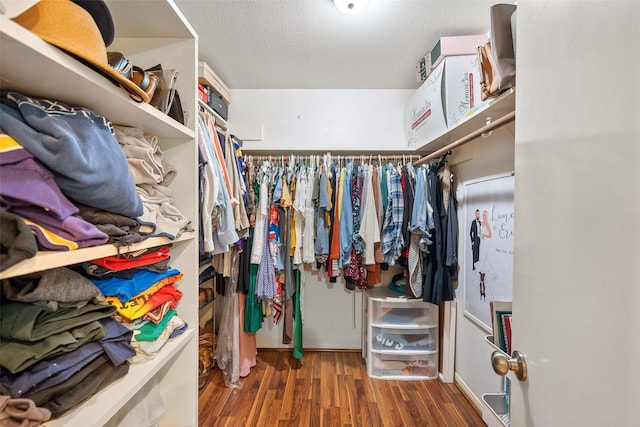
x=329 y=389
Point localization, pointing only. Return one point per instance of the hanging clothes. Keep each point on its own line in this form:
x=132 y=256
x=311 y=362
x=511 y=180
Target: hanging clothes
x=437 y=279
x=392 y=239
x=266 y=281
x=323 y=205
x=369 y=226
x=299 y=214
x=355 y=273
x=253 y=316
x=308 y=245
x=262 y=212
x=346 y=214
x=225 y=233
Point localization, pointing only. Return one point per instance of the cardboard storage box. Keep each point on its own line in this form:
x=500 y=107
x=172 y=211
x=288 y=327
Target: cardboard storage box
x=454 y=46
x=449 y=95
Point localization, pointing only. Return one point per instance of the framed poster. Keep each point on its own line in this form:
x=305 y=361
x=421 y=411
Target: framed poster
x=488 y=249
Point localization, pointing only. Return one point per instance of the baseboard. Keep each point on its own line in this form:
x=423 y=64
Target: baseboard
x=333 y=350
x=468 y=393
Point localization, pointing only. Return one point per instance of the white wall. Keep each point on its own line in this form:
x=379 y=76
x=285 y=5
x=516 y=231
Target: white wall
x=320 y=121
x=483 y=157
x=332 y=314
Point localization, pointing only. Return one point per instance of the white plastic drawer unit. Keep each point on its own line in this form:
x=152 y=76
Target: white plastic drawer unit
x=403 y=366
x=402 y=337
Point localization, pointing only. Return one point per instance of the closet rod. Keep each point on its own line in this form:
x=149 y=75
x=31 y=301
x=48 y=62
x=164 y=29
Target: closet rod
x=507 y=118
x=275 y=157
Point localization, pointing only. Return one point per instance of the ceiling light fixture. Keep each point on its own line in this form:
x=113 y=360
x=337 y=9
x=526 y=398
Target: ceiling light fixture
x=350 y=6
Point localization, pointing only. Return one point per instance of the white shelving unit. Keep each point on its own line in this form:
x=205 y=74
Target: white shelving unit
x=33 y=67
x=402 y=337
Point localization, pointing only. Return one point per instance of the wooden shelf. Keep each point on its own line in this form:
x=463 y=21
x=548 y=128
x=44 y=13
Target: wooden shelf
x=122 y=390
x=70 y=80
x=45 y=260
x=496 y=108
x=207 y=77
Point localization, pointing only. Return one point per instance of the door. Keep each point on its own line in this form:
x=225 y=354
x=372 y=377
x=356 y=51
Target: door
x=576 y=297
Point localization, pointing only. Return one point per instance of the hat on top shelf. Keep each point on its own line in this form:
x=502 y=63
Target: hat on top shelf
x=82 y=29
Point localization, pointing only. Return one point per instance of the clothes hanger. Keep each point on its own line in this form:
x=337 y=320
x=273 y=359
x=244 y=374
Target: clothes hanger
x=443 y=159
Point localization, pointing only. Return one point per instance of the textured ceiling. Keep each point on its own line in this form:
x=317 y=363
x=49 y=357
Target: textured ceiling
x=309 y=44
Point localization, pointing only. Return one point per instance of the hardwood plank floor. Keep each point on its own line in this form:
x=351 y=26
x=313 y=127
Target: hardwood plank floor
x=329 y=389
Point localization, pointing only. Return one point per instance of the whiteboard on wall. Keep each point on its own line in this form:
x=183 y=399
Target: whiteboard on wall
x=488 y=251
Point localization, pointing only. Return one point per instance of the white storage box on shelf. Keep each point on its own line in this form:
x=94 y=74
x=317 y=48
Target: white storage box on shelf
x=402 y=337
x=450 y=95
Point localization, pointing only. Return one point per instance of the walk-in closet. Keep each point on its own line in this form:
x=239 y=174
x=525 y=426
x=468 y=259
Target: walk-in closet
x=318 y=213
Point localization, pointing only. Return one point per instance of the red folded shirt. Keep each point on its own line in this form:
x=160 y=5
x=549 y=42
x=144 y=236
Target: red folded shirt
x=130 y=260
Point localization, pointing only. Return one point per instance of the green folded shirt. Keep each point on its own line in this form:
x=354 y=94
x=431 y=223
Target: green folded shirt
x=29 y=322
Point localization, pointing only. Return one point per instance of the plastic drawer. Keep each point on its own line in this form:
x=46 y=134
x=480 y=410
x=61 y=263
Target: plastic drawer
x=402 y=314
x=404 y=340
x=403 y=366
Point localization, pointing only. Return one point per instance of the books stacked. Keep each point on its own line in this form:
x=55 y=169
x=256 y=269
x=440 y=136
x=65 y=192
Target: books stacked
x=501 y=314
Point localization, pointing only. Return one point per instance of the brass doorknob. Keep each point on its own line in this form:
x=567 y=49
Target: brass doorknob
x=502 y=364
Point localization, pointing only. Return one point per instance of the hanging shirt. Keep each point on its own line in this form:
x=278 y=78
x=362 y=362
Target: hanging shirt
x=241 y=220
x=346 y=224
x=209 y=191
x=322 y=233
x=217 y=150
x=377 y=188
x=266 y=278
x=334 y=251
x=261 y=216
x=298 y=215
x=369 y=227
x=225 y=233
x=308 y=252
x=392 y=239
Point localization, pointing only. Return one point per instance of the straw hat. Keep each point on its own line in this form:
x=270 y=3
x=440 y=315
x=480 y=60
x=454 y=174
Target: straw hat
x=70 y=27
x=100 y=13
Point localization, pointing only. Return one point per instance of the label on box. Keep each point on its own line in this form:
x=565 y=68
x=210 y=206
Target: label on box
x=462 y=94
x=424 y=115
